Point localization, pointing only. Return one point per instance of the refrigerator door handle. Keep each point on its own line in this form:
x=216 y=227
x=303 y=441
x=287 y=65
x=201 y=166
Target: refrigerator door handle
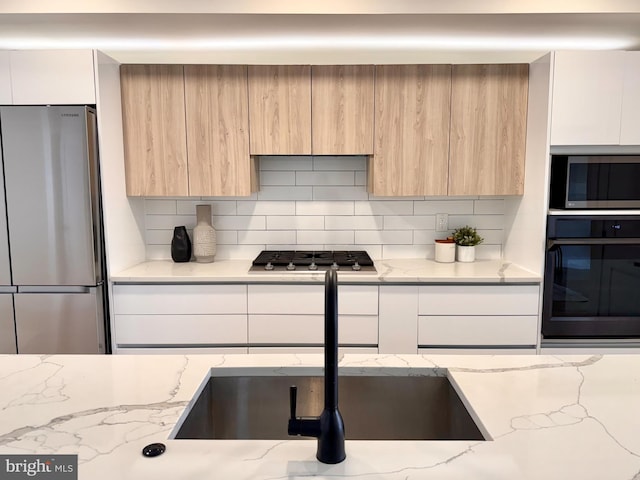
x=54 y=289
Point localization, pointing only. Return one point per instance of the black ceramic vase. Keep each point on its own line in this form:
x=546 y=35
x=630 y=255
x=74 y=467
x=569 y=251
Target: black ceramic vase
x=180 y=245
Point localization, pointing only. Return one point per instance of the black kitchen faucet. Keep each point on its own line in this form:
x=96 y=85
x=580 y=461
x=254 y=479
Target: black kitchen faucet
x=328 y=428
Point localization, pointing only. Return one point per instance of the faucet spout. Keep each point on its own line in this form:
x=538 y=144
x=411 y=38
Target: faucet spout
x=328 y=428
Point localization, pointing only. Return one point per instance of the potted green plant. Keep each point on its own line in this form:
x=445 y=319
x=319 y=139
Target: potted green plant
x=466 y=239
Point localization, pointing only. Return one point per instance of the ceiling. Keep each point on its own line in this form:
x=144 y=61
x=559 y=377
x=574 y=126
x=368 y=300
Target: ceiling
x=286 y=31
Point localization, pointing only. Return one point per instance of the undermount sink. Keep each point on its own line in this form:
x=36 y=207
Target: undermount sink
x=373 y=407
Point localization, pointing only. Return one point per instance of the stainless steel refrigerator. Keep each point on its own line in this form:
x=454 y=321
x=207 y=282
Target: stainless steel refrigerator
x=52 y=297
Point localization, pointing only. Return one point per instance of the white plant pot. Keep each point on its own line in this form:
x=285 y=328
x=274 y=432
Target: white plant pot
x=466 y=253
x=445 y=252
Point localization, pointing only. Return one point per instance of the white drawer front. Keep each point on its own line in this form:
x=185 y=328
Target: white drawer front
x=309 y=329
x=477 y=330
x=316 y=350
x=180 y=329
x=478 y=300
x=180 y=299
x=477 y=351
x=181 y=351
x=309 y=299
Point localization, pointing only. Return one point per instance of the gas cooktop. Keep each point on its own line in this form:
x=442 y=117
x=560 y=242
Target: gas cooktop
x=353 y=261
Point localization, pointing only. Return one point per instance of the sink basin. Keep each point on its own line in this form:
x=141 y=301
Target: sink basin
x=373 y=407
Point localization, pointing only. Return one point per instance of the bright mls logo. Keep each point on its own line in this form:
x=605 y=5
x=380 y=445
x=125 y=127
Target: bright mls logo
x=50 y=467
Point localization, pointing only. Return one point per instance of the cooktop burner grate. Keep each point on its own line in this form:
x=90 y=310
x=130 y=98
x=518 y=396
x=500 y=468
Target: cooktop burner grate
x=306 y=260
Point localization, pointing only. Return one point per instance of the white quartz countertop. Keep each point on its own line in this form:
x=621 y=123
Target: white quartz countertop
x=414 y=270
x=571 y=417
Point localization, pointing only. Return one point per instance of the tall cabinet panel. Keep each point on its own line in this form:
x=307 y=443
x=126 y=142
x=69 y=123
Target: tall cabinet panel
x=630 y=121
x=342 y=109
x=155 y=143
x=587 y=98
x=217 y=122
x=5 y=263
x=5 y=79
x=280 y=109
x=412 y=115
x=488 y=129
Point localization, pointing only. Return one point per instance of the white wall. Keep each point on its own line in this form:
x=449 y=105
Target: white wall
x=321 y=203
x=525 y=217
x=123 y=216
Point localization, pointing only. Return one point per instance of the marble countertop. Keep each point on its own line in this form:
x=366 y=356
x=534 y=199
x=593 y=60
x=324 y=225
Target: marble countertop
x=569 y=417
x=414 y=270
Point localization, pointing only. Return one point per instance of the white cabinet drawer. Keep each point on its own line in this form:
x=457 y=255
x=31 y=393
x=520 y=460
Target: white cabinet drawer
x=180 y=351
x=309 y=329
x=309 y=299
x=477 y=330
x=181 y=329
x=478 y=300
x=179 y=299
x=314 y=350
x=477 y=351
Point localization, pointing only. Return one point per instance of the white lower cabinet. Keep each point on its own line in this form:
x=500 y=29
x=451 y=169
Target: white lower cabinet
x=480 y=316
x=291 y=317
x=180 y=318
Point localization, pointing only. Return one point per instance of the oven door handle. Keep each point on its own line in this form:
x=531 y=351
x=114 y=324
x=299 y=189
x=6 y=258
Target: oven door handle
x=592 y=241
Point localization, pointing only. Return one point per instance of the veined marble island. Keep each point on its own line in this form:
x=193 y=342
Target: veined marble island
x=570 y=417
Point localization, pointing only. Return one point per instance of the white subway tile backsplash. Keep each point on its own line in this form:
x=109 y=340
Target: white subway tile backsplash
x=339 y=163
x=277 y=178
x=285 y=193
x=325 y=178
x=267 y=207
x=274 y=237
x=406 y=251
x=353 y=223
x=159 y=207
x=321 y=203
x=384 y=237
x=489 y=222
x=295 y=223
x=224 y=207
x=431 y=207
x=340 y=193
x=324 y=208
x=409 y=222
x=382 y=207
x=488 y=206
x=287 y=164
x=237 y=222
x=326 y=236
x=167 y=222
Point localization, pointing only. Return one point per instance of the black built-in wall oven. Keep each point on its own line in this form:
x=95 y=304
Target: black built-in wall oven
x=592 y=271
x=592 y=277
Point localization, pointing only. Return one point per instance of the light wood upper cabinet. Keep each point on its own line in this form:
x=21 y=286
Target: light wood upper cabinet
x=342 y=109
x=412 y=114
x=217 y=118
x=280 y=109
x=155 y=143
x=488 y=129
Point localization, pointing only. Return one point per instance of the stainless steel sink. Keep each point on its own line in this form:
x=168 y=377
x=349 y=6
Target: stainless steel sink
x=373 y=408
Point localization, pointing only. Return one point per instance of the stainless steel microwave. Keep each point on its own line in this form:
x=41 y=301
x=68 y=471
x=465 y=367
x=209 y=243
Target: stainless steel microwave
x=589 y=181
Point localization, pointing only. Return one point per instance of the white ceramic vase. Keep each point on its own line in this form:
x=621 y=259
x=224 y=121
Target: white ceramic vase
x=204 y=235
x=466 y=253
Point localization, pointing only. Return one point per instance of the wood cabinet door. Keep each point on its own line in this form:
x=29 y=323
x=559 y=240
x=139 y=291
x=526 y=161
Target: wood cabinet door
x=488 y=129
x=280 y=109
x=217 y=118
x=153 y=116
x=412 y=115
x=342 y=109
